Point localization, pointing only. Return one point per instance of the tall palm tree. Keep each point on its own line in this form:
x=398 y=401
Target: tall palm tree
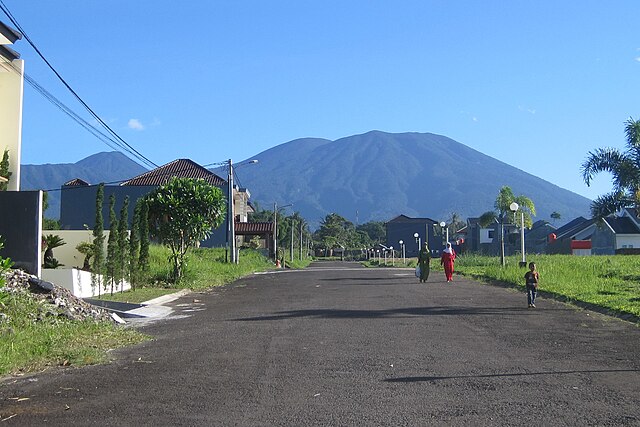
x=625 y=171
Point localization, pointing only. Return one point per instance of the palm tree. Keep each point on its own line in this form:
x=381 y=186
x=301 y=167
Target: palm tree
x=625 y=171
x=502 y=209
x=52 y=241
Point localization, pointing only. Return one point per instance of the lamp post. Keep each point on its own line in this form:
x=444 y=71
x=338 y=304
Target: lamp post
x=231 y=218
x=393 y=257
x=402 y=247
x=275 y=229
x=444 y=226
x=514 y=208
x=418 y=241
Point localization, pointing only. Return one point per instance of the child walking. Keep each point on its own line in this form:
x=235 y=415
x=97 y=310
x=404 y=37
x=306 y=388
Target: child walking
x=532 y=278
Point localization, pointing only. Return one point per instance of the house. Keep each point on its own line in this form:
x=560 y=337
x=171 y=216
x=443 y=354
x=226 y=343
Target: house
x=78 y=199
x=572 y=238
x=617 y=235
x=486 y=240
x=536 y=238
x=403 y=228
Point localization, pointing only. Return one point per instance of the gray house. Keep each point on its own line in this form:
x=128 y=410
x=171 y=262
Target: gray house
x=403 y=228
x=78 y=200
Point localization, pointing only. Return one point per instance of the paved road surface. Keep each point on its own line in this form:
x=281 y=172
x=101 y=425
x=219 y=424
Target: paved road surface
x=341 y=345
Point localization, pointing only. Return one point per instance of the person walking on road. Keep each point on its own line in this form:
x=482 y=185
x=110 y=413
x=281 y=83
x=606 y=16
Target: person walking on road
x=447 y=260
x=532 y=278
x=424 y=260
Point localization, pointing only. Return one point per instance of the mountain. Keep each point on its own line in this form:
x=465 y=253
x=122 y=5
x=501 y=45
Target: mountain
x=101 y=167
x=374 y=176
x=378 y=175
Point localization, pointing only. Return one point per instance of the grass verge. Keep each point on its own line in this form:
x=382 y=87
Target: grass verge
x=609 y=282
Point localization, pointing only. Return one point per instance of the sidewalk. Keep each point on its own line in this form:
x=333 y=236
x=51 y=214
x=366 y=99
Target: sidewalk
x=148 y=310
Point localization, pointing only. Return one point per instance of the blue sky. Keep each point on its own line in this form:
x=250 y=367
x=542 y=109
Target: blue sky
x=536 y=84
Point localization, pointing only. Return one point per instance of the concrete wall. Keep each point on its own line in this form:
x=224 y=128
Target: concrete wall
x=11 y=92
x=67 y=254
x=77 y=281
x=20 y=228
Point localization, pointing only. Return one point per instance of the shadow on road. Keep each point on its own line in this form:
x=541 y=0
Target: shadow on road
x=516 y=374
x=398 y=312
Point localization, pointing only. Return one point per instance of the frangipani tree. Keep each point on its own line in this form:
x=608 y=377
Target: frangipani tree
x=183 y=212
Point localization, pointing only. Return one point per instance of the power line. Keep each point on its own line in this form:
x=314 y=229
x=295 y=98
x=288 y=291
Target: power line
x=122 y=143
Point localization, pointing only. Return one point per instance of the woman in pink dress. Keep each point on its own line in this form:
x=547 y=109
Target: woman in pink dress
x=447 y=259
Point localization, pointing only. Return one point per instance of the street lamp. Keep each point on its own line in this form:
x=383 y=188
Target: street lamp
x=514 y=208
x=418 y=241
x=444 y=225
x=393 y=257
x=402 y=246
x=231 y=219
x=275 y=229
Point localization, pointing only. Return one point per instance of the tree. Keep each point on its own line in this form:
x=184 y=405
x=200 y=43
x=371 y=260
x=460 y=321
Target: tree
x=143 y=259
x=134 y=247
x=183 y=212
x=335 y=231
x=625 y=173
x=86 y=249
x=123 y=244
x=112 y=244
x=555 y=216
x=52 y=241
x=98 y=242
x=502 y=211
x=375 y=232
x=4 y=170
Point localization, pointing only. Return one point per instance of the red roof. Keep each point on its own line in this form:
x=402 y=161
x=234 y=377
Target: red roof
x=181 y=168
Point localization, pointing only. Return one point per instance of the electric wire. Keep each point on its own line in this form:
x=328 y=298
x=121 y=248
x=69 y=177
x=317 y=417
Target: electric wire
x=122 y=143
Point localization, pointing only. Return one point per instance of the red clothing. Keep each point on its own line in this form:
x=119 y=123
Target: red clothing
x=447 y=260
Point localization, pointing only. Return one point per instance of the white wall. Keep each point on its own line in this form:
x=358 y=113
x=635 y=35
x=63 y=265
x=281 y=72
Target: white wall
x=628 y=241
x=77 y=281
x=67 y=254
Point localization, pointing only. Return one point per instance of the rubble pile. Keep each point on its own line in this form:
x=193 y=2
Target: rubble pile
x=55 y=300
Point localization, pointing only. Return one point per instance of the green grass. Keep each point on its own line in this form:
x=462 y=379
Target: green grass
x=31 y=345
x=610 y=282
x=32 y=341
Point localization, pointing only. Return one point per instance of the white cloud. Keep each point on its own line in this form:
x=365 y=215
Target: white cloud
x=638 y=58
x=527 y=109
x=135 y=124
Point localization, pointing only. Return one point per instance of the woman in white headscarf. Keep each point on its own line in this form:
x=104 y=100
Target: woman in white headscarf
x=447 y=260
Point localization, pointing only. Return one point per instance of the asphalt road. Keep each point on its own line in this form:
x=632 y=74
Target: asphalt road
x=341 y=345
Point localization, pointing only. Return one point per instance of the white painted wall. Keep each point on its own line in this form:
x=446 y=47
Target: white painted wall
x=76 y=281
x=11 y=93
x=67 y=254
x=484 y=235
x=627 y=241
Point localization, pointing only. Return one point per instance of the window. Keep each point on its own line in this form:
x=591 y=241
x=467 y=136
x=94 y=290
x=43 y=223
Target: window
x=491 y=233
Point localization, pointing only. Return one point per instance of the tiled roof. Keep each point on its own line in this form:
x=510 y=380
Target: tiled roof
x=407 y=219
x=77 y=182
x=622 y=225
x=253 y=227
x=181 y=168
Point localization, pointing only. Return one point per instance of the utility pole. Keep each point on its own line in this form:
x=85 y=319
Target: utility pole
x=231 y=231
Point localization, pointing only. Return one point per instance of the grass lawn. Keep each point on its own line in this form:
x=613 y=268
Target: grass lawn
x=27 y=345
x=610 y=282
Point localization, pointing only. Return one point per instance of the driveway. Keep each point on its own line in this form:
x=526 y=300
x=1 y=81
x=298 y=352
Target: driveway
x=338 y=344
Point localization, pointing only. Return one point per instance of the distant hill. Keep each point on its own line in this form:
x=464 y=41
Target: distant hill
x=101 y=167
x=378 y=175
x=374 y=176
